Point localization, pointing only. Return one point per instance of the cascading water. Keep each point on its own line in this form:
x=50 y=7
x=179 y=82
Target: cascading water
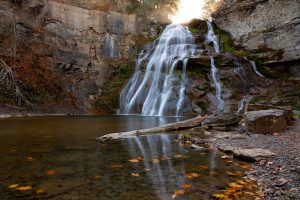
x=211 y=37
x=255 y=69
x=159 y=90
x=111 y=49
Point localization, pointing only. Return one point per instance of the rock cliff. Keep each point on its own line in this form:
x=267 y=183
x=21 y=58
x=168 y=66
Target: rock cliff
x=91 y=46
x=269 y=29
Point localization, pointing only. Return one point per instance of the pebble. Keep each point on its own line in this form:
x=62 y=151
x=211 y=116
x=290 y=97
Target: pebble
x=293 y=192
x=281 y=182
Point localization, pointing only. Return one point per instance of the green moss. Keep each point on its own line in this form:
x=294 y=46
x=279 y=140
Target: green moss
x=194 y=30
x=256 y=99
x=227 y=45
x=296 y=114
x=109 y=100
x=185 y=137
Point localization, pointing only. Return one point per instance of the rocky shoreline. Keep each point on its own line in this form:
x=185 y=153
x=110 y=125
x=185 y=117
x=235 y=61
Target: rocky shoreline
x=8 y=111
x=275 y=157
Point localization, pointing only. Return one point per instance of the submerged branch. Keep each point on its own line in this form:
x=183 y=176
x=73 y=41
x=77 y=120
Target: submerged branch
x=166 y=128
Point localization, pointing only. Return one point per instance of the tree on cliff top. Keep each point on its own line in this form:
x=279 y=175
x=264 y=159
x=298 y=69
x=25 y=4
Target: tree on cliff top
x=145 y=6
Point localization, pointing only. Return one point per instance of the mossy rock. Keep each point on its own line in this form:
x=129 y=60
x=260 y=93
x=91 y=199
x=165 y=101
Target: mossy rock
x=197 y=26
x=108 y=102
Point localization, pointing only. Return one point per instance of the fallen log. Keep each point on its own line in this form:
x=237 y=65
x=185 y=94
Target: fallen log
x=162 y=129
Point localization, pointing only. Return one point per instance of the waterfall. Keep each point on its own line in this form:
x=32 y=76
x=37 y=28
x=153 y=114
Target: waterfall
x=157 y=87
x=253 y=65
x=211 y=37
x=111 y=48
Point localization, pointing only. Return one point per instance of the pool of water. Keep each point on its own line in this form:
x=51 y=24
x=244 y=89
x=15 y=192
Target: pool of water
x=59 y=159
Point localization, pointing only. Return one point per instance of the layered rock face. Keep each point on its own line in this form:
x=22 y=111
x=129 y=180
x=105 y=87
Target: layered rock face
x=268 y=28
x=92 y=45
x=97 y=43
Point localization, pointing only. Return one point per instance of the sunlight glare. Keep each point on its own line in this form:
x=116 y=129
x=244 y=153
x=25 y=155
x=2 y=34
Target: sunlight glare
x=188 y=10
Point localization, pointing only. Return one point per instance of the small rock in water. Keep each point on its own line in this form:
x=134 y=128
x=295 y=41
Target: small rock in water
x=197 y=148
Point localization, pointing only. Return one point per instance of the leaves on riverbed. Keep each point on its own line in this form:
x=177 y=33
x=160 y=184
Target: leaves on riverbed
x=155 y=161
x=192 y=175
x=237 y=190
x=186 y=186
x=13 y=186
x=40 y=191
x=24 y=188
x=97 y=177
x=203 y=167
x=235 y=174
x=51 y=172
x=30 y=159
x=177 y=193
x=135 y=174
x=181 y=156
x=116 y=166
x=134 y=160
x=20 y=188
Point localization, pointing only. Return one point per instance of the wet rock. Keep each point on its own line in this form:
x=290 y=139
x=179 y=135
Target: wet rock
x=222 y=120
x=256 y=154
x=198 y=148
x=200 y=60
x=265 y=121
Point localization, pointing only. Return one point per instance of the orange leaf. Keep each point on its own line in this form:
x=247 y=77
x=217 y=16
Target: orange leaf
x=135 y=174
x=40 y=191
x=116 y=166
x=29 y=158
x=134 y=160
x=220 y=196
x=155 y=161
x=181 y=156
x=24 y=188
x=237 y=173
x=98 y=177
x=177 y=193
x=187 y=186
x=13 y=186
x=204 y=167
x=51 y=172
x=192 y=175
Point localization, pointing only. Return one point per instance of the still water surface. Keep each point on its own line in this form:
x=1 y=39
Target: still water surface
x=59 y=159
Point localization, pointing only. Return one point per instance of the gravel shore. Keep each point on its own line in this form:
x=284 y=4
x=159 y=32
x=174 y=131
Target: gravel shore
x=278 y=175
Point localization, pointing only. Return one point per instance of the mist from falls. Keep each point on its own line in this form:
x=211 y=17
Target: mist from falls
x=160 y=89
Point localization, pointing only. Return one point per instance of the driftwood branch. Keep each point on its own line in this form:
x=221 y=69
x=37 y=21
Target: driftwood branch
x=162 y=129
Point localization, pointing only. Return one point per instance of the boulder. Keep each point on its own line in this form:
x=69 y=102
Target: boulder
x=222 y=120
x=265 y=121
x=255 y=154
x=288 y=110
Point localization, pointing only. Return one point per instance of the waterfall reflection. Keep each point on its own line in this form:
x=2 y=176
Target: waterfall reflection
x=156 y=151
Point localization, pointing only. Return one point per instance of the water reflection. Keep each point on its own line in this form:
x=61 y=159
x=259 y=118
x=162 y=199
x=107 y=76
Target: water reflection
x=156 y=153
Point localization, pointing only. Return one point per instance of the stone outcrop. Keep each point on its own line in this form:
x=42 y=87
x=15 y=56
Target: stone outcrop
x=269 y=28
x=255 y=154
x=265 y=121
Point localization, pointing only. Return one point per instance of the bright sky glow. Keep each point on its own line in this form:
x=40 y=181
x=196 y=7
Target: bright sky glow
x=187 y=10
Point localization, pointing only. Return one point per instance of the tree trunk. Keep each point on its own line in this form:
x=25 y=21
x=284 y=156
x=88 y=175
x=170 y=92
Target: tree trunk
x=162 y=129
